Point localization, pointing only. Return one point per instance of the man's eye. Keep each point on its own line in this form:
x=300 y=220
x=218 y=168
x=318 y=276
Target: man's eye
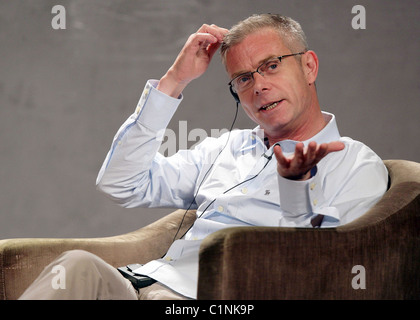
x=272 y=65
x=244 y=79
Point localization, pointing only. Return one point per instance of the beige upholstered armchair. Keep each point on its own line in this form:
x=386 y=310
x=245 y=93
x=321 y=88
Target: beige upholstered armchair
x=380 y=249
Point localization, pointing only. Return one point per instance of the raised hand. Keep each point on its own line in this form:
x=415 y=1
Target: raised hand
x=193 y=60
x=299 y=165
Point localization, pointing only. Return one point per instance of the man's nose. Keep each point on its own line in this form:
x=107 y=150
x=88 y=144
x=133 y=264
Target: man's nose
x=260 y=83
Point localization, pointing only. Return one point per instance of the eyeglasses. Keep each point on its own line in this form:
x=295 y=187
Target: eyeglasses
x=246 y=80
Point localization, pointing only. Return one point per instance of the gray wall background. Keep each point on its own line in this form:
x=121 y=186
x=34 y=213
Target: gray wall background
x=64 y=93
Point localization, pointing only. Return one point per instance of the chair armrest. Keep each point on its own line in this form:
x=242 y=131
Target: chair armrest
x=21 y=260
x=252 y=263
x=305 y=263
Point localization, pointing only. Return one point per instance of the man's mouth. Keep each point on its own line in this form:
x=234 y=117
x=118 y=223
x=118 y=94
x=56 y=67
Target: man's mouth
x=270 y=106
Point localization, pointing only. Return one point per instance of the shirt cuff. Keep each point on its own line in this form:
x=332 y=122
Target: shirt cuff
x=294 y=196
x=155 y=109
x=304 y=197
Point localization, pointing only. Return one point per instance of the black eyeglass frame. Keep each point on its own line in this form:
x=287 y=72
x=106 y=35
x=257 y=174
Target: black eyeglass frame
x=251 y=73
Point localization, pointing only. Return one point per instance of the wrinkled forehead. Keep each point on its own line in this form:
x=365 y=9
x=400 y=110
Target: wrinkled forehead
x=253 y=50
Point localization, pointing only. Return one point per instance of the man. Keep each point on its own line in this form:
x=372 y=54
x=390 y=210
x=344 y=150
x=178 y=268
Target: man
x=294 y=169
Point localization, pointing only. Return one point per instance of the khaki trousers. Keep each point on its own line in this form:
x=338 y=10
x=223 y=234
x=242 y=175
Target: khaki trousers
x=81 y=275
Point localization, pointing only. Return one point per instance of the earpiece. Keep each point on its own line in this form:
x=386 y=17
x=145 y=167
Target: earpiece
x=234 y=94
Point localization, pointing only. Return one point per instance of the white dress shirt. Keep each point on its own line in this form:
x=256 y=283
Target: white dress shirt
x=231 y=181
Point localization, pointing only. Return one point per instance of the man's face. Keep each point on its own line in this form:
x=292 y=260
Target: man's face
x=289 y=88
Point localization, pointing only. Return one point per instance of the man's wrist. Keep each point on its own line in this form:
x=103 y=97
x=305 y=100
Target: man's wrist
x=306 y=176
x=170 y=86
x=302 y=177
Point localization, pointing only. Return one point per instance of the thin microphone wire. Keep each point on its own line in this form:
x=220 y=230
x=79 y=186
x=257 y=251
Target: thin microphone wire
x=205 y=175
x=226 y=191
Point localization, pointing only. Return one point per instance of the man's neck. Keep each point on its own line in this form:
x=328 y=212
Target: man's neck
x=305 y=131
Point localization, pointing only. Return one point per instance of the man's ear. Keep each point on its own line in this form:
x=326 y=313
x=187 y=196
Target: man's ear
x=310 y=65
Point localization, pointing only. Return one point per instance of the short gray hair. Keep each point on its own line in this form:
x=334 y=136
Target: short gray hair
x=289 y=30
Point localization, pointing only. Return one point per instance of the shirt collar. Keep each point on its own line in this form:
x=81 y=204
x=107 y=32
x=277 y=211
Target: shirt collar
x=328 y=134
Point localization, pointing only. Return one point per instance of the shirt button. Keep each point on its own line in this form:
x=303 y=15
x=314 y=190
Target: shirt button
x=146 y=91
x=244 y=190
x=315 y=202
x=220 y=208
x=168 y=258
x=312 y=186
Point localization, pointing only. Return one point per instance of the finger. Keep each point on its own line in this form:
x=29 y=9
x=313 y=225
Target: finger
x=281 y=159
x=214 y=30
x=203 y=40
x=311 y=153
x=335 y=146
x=299 y=157
x=212 y=48
x=220 y=33
x=327 y=148
x=321 y=152
x=203 y=43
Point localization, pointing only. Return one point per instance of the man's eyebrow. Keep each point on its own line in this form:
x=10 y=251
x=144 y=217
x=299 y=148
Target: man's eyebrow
x=259 y=64
x=238 y=74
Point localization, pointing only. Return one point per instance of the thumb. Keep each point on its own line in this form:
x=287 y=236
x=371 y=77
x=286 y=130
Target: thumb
x=335 y=146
